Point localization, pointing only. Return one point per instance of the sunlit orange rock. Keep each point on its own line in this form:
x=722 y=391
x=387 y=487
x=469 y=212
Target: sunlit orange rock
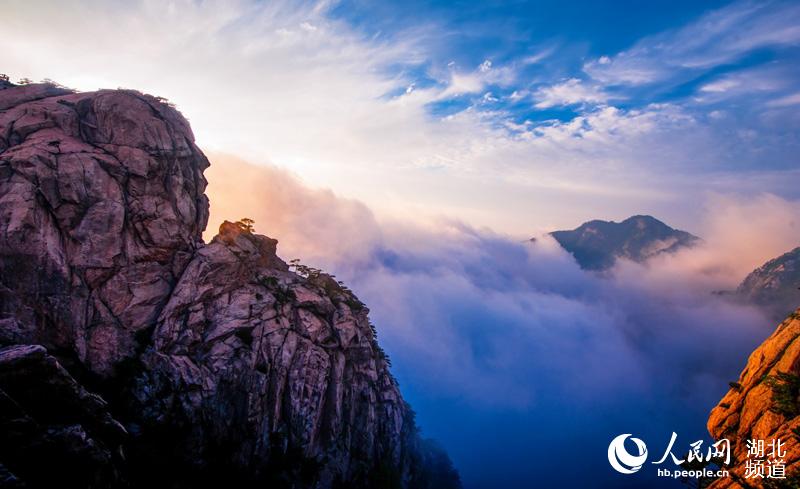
x=750 y=409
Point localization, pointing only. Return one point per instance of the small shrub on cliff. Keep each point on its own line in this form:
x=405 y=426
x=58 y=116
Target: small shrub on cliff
x=269 y=282
x=52 y=82
x=785 y=393
x=354 y=304
x=304 y=271
x=165 y=102
x=284 y=295
x=335 y=289
x=246 y=224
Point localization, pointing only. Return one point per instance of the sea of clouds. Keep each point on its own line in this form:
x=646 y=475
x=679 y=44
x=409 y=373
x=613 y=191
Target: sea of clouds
x=515 y=359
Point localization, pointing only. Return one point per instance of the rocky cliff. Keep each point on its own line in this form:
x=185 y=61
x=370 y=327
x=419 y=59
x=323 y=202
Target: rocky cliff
x=764 y=404
x=596 y=245
x=135 y=355
x=774 y=285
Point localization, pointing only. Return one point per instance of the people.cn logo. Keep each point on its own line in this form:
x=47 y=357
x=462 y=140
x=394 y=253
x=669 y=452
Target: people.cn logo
x=622 y=461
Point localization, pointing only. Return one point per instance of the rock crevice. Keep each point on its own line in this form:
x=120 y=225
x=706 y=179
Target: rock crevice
x=220 y=364
x=763 y=404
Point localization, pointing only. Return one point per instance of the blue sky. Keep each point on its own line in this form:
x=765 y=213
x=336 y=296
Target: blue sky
x=554 y=60
x=518 y=116
x=730 y=69
x=412 y=148
x=546 y=40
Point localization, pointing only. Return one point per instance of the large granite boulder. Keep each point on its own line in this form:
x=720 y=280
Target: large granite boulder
x=101 y=207
x=186 y=364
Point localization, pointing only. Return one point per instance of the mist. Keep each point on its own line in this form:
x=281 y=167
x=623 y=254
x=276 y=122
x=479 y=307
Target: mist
x=514 y=358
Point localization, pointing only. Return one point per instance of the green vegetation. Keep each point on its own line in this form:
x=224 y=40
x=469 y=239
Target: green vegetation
x=785 y=393
x=246 y=224
x=337 y=290
x=380 y=351
x=269 y=282
x=304 y=270
x=351 y=300
x=282 y=293
x=53 y=82
x=166 y=102
x=332 y=287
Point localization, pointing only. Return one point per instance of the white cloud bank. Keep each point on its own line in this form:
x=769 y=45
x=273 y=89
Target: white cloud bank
x=436 y=288
x=286 y=82
x=501 y=343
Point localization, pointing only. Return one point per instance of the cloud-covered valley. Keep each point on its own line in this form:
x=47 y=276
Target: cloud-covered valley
x=449 y=134
x=494 y=338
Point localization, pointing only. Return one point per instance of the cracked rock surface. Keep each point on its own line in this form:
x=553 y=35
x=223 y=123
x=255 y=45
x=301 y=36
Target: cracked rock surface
x=152 y=359
x=763 y=404
x=101 y=208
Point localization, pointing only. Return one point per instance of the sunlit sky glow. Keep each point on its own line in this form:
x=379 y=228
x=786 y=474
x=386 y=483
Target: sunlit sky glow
x=412 y=147
x=519 y=118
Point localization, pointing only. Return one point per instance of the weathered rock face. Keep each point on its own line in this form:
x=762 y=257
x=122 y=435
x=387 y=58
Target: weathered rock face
x=774 y=285
x=764 y=404
x=101 y=208
x=219 y=363
x=75 y=444
x=286 y=360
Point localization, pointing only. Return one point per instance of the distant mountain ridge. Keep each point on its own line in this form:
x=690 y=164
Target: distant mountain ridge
x=597 y=244
x=774 y=285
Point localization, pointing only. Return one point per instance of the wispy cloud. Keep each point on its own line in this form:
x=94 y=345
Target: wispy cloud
x=539 y=56
x=378 y=118
x=787 y=101
x=570 y=92
x=719 y=37
x=767 y=80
